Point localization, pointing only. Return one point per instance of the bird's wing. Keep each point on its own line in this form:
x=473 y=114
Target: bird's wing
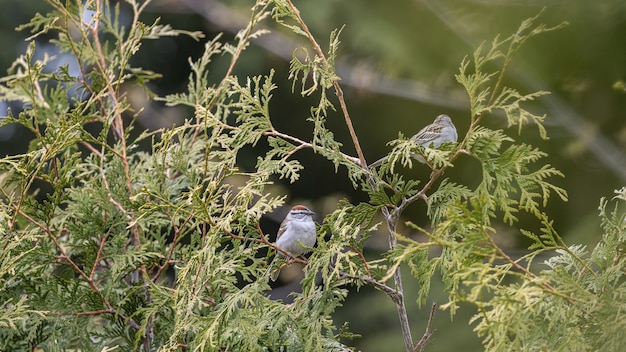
x=427 y=135
x=282 y=229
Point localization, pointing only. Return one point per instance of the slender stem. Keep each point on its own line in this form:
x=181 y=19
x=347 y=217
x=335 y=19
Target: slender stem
x=338 y=90
x=77 y=269
x=421 y=344
x=360 y=254
x=510 y=260
x=393 y=294
x=117 y=127
x=391 y=219
x=98 y=256
x=302 y=144
x=170 y=253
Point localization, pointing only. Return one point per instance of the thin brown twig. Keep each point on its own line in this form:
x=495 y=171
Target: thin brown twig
x=393 y=294
x=303 y=144
x=360 y=254
x=77 y=269
x=517 y=265
x=391 y=219
x=295 y=150
x=117 y=127
x=92 y=149
x=78 y=314
x=98 y=256
x=117 y=124
x=170 y=253
x=421 y=344
x=338 y=90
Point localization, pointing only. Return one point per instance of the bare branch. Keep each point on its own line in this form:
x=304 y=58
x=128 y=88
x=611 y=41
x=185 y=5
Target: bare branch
x=372 y=282
x=421 y=344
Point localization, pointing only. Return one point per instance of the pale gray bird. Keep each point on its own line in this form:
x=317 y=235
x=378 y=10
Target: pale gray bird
x=296 y=233
x=442 y=130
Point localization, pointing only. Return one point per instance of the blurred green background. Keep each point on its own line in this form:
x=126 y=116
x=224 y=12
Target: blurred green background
x=397 y=61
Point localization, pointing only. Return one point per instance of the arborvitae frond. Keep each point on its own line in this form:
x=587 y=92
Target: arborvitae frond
x=447 y=193
x=349 y=226
x=473 y=82
x=506 y=173
x=579 y=309
x=163 y=248
x=282 y=12
x=252 y=110
x=485 y=97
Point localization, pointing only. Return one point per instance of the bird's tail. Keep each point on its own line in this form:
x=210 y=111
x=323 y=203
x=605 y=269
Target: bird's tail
x=272 y=271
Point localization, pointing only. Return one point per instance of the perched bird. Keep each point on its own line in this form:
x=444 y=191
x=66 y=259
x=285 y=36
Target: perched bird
x=296 y=231
x=441 y=131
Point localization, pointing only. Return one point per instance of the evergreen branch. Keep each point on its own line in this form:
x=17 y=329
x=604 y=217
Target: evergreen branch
x=517 y=265
x=515 y=42
x=244 y=37
x=78 y=314
x=360 y=254
x=303 y=144
x=117 y=124
x=23 y=193
x=338 y=89
x=46 y=155
x=77 y=269
x=563 y=246
x=390 y=219
x=393 y=294
x=170 y=253
x=98 y=256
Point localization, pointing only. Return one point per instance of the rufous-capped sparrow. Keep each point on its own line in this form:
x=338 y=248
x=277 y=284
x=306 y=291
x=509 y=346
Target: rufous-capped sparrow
x=296 y=234
x=442 y=130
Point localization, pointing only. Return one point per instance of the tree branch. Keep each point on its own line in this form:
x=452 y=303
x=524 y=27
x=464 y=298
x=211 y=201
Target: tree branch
x=393 y=294
x=421 y=344
x=338 y=90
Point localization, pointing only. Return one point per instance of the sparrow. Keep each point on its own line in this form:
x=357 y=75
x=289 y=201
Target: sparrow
x=296 y=233
x=442 y=130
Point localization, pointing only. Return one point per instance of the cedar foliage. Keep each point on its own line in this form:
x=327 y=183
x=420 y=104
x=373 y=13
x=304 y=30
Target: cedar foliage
x=90 y=224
